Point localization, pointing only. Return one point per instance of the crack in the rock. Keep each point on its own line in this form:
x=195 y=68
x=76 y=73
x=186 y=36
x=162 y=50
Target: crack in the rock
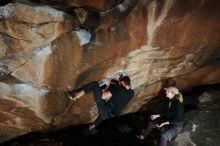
x=34 y=24
x=22 y=64
x=32 y=56
x=62 y=113
x=14 y=37
x=4 y=69
x=31 y=25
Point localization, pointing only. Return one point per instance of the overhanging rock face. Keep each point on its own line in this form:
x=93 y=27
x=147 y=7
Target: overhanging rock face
x=48 y=47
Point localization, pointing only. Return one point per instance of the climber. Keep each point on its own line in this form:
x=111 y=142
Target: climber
x=109 y=101
x=172 y=118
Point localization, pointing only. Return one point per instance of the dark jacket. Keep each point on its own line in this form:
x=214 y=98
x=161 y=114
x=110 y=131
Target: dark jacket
x=174 y=112
x=120 y=98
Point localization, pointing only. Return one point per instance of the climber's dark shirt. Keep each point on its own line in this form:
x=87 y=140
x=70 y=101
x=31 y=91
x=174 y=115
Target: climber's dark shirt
x=120 y=98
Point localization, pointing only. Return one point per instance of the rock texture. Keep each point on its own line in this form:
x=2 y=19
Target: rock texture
x=48 y=47
x=97 y=4
x=202 y=126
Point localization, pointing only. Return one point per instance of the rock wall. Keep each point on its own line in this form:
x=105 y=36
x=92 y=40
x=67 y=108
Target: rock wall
x=48 y=47
x=198 y=130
